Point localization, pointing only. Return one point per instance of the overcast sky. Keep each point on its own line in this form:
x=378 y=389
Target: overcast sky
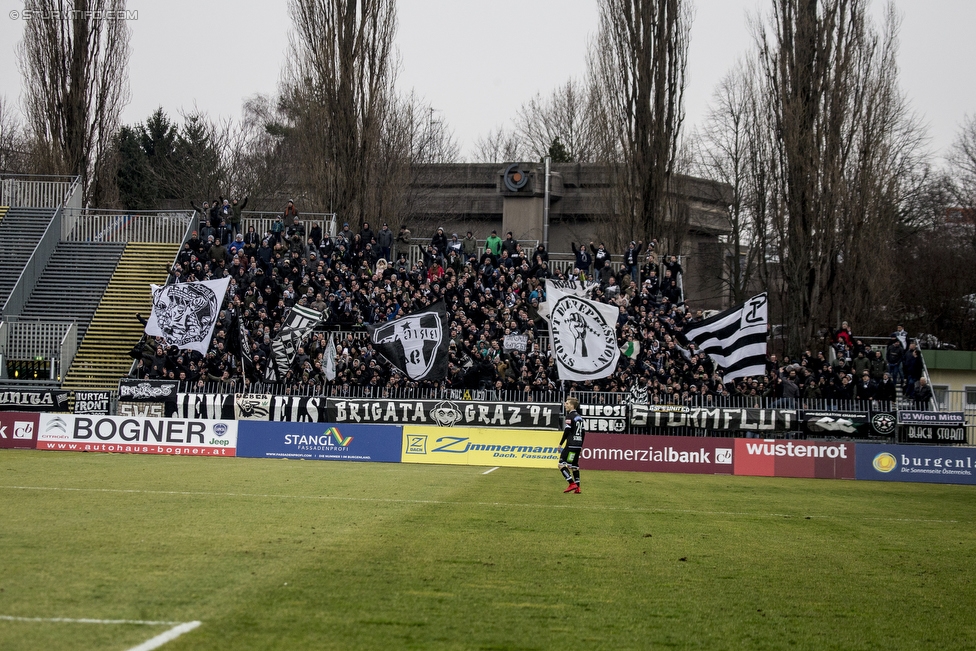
x=476 y=61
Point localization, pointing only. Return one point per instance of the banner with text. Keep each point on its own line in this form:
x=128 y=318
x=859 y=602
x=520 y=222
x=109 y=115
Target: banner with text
x=934 y=427
x=717 y=418
x=98 y=403
x=604 y=418
x=15 y=399
x=690 y=454
x=192 y=437
x=779 y=458
x=446 y=413
x=850 y=424
x=916 y=463
x=481 y=446
x=18 y=429
x=324 y=441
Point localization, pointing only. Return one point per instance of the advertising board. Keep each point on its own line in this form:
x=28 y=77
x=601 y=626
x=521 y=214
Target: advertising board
x=916 y=463
x=135 y=435
x=481 y=446
x=18 y=430
x=790 y=458
x=322 y=441
x=690 y=454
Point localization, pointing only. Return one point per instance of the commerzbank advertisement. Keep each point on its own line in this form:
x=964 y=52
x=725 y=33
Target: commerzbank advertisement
x=916 y=463
x=477 y=446
x=691 y=454
x=320 y=441
x=137 y=435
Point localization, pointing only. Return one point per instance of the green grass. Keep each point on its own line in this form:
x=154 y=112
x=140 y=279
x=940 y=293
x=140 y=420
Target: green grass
x=317 y=555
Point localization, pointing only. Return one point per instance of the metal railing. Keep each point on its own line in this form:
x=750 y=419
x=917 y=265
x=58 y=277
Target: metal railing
x=109 y=226
x=30 y=191
x=29 y=339
x=262 y=221
x=41 y=255
x=964 y=401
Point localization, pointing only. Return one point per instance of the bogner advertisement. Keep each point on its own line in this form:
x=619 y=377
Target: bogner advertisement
x=481 y=446
x=72 y=433
x=446 y=413
x=691 y=454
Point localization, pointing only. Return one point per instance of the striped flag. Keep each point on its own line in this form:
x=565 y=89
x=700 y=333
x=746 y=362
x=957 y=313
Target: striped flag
x=735 y=339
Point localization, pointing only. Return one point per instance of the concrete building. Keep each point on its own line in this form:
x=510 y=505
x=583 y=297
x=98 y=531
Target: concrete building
x=511 y=197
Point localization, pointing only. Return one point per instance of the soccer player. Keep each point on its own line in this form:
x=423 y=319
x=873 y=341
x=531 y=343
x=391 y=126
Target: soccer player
x=573 y=440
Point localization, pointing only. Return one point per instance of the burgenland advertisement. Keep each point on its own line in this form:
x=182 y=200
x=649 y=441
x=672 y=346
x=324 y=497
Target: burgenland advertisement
x=135 y=435
x=322 y=441
x=916 y=463
x=690 y=454
x=18 y=429
x=793 y=458
x=481 y=446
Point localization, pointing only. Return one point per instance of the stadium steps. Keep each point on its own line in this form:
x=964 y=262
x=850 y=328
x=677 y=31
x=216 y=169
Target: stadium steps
x=66 y=294
x=103 y=356
x=3 y=212
x=20 y=231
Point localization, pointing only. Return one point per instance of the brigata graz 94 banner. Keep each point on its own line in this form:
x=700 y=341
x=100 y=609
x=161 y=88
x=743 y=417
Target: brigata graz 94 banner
x=717 y=418
x=72 y=433
x=446 y=413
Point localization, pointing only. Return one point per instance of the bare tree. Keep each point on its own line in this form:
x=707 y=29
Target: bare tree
x=74 y=61
x=637 y=72
x=13 y=145
x=843 y=143
x=338 y=93
x=499 y=146
x=731 y=147
x=962 y=164
x=565 y=118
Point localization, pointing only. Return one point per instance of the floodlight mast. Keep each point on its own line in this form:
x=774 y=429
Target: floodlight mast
x=545 y=208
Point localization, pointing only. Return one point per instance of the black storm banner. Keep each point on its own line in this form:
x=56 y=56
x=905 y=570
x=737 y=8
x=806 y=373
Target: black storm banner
x=33 y=400
x=446 y=413
x=717 y=418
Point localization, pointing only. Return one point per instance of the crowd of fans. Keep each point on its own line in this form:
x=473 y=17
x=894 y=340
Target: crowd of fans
x=492 y=288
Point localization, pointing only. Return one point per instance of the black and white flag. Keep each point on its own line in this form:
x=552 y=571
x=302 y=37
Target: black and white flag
x=735 y=339
x=330 y=360
x=417 y=344
x=298 y=324
x=185 y=314
x=584 y=335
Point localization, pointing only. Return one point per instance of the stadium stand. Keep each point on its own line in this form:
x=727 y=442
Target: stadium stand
x=20 y=231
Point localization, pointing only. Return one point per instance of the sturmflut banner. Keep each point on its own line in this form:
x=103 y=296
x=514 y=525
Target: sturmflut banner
x=718 y=418
x=446 y=413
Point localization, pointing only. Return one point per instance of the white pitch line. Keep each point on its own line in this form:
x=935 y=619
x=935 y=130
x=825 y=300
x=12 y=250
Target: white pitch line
x=66 y=620
x=490 y=470
x=390 y=500
x=168 y=636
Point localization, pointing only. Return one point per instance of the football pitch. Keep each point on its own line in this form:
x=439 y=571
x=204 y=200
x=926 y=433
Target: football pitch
x=102 y=551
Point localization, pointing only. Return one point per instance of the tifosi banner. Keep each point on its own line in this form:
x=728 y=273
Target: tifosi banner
x=779 y=458
x=916 y=463
x=18 y=429
x=320 y=441
x=604 y=418
x=33 y=399
x=195 y=437
x=718 y=418
x=691 y=454
x=476 y=446
x=446 y=413
x=93 y=402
